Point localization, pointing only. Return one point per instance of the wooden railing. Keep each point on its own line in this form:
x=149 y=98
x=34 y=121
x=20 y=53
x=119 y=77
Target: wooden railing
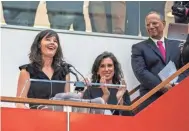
x=133 y=90
x=92 y=105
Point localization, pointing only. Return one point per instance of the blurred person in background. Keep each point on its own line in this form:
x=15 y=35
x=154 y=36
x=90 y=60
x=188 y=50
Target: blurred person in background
x=180 y=10
x=107 y=16
x=20 y=12
x=62 y=14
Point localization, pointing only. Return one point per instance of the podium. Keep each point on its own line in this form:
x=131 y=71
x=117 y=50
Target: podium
x=168 y=113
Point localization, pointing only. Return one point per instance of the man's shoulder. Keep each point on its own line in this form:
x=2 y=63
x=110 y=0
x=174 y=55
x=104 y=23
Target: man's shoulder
x=175 y=43
x=141 y=43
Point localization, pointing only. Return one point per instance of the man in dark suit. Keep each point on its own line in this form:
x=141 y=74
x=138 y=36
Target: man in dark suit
x=20 y=12
x=150 y=56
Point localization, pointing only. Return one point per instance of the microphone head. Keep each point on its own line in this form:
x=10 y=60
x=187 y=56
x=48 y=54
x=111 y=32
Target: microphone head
x=69 y=65
x=65 y=64
x=79 y=85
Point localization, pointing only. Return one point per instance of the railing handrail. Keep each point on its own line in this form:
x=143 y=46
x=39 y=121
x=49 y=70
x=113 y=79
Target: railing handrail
x=131 y=92
x=160 y=86
x=93 y=105
x=63 y=103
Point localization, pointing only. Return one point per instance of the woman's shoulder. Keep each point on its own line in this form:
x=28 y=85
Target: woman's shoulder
x=28 y=67
x=63 y=69
x=25 y=66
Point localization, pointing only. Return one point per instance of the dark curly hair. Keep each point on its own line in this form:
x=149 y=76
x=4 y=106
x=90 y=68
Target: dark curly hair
x=118 y=74
x=35 y=55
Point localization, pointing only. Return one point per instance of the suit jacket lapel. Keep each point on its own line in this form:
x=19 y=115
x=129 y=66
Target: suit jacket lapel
x=155 y=49
x=168 y=50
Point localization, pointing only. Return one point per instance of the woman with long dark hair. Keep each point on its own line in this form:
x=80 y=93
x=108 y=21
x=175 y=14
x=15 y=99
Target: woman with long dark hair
x=46 y=60
x=106 y=68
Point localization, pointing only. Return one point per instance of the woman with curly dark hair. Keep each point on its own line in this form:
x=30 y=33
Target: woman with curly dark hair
x=107 y=69
x=46 y=63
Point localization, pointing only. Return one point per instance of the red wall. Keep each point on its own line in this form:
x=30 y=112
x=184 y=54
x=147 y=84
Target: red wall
x=169 y=113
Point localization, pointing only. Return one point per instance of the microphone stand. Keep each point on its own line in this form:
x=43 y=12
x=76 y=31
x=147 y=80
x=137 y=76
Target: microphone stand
x=78 y=84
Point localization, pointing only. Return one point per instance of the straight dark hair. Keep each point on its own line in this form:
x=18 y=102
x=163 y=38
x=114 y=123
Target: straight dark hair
x=35 y=54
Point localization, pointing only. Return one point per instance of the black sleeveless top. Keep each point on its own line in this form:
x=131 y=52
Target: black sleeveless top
x=44 y=90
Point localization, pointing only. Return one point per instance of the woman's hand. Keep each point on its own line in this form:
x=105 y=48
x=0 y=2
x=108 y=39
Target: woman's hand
x=21 y=105
x=23 y=87
x=105 y=90
x=121 y=92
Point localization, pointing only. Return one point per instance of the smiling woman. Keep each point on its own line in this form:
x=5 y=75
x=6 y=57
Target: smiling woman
x=107 y=69
x=46 y=60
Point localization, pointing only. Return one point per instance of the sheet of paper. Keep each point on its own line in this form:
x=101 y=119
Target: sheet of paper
x=167 y=71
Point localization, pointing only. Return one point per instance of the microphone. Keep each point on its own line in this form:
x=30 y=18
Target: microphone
x=77 y=78
x=78 y=84
x=69 y=65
